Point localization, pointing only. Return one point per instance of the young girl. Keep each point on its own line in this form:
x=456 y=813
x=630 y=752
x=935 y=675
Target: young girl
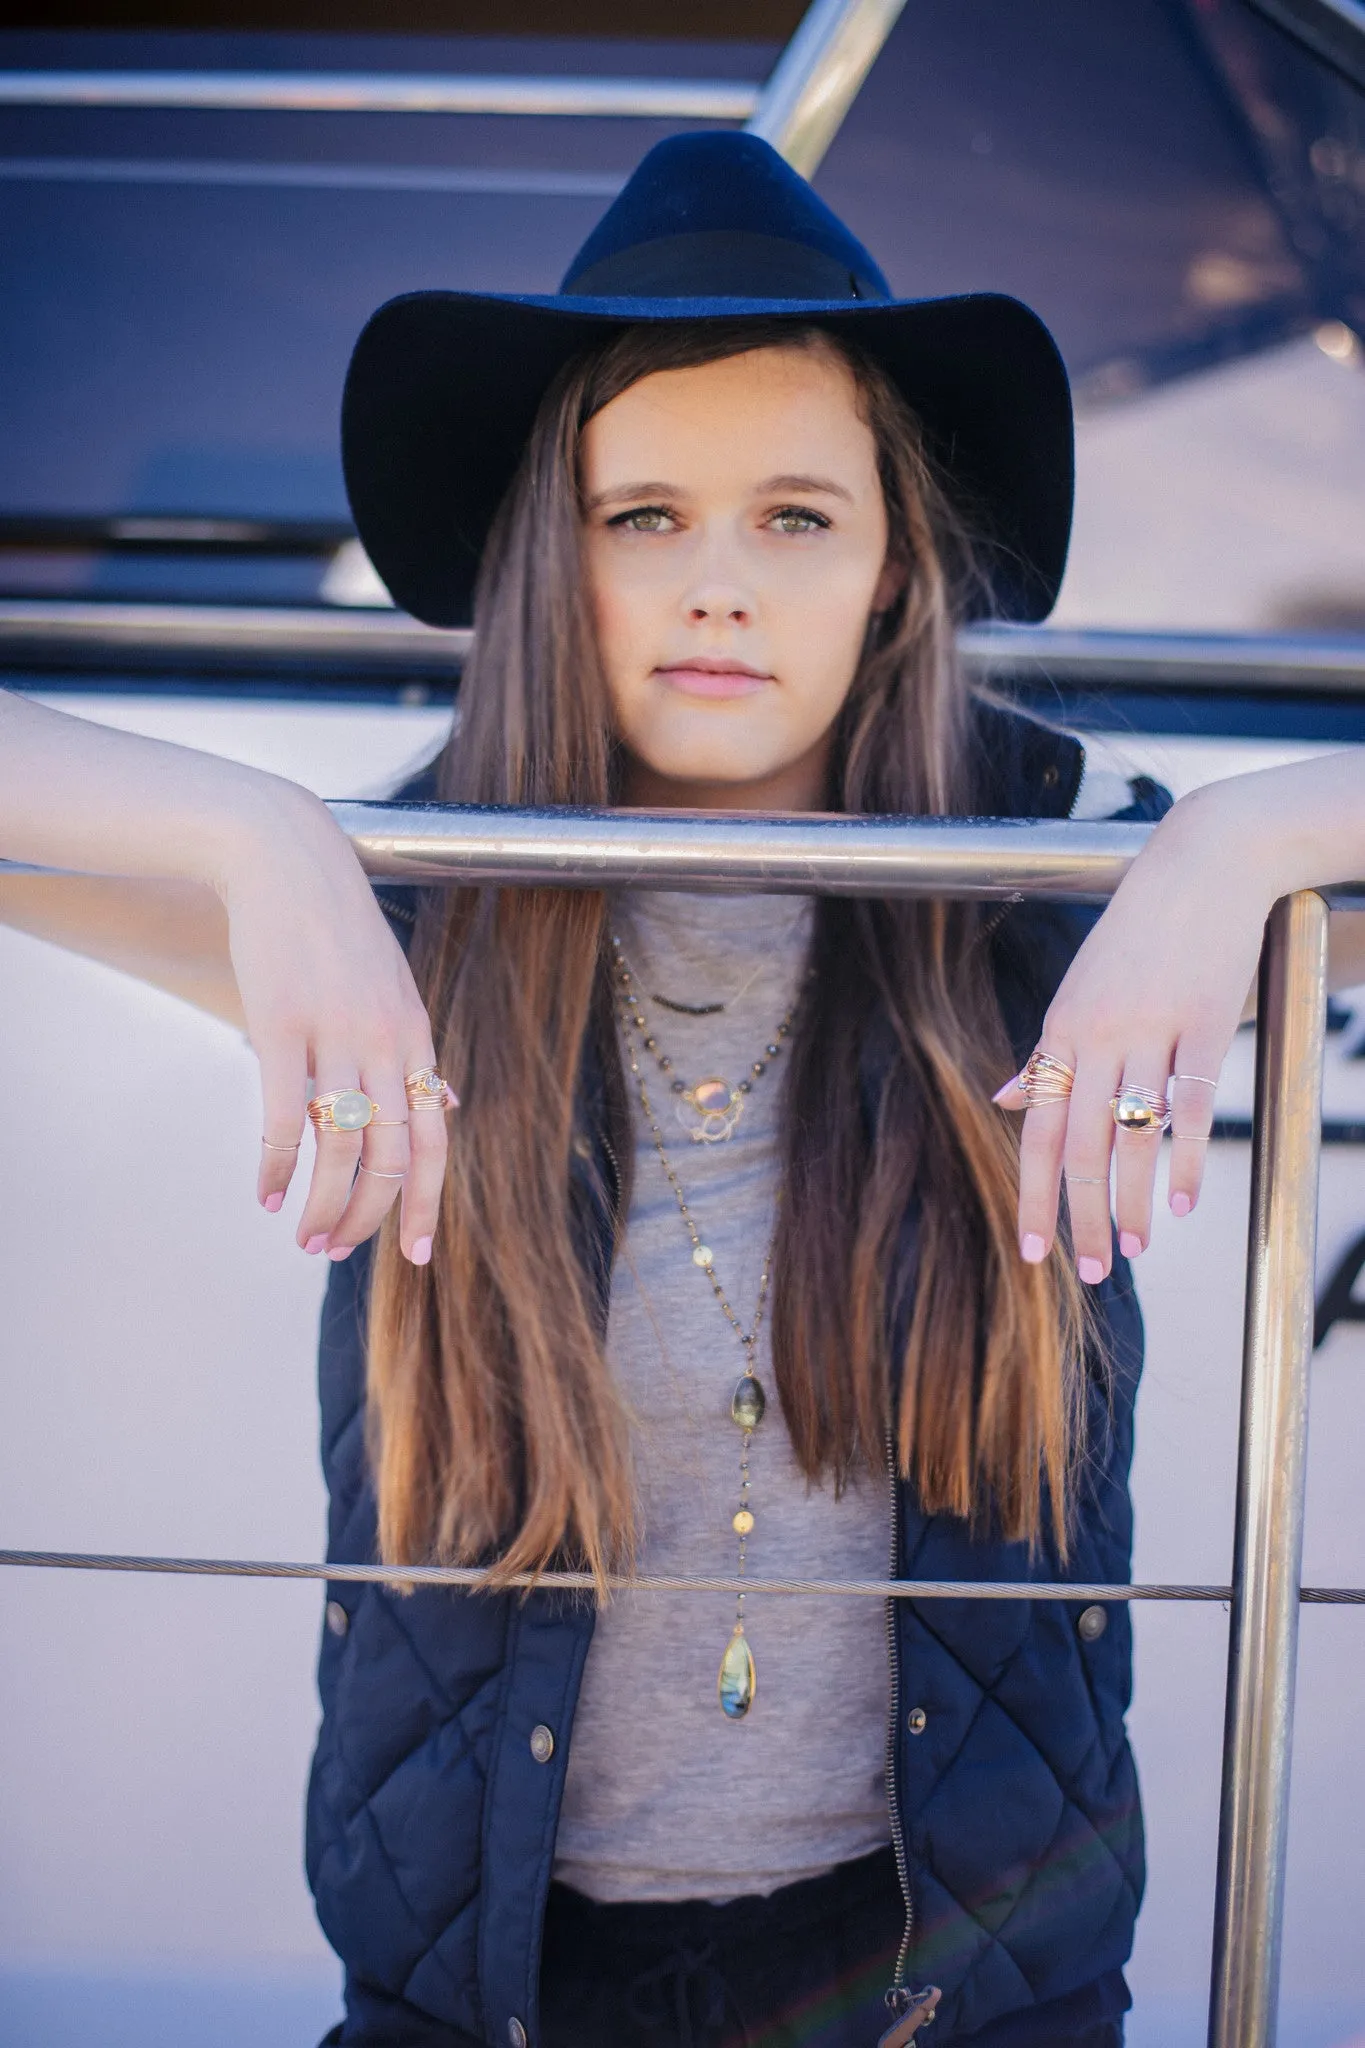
x=723 y=1274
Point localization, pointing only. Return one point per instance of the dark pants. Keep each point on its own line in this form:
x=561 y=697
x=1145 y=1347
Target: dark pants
x=803 y=1968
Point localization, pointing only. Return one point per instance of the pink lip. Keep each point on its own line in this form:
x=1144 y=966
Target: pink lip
x=709 y=677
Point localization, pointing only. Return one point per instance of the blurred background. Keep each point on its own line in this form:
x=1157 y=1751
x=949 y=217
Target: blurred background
x=198 y=209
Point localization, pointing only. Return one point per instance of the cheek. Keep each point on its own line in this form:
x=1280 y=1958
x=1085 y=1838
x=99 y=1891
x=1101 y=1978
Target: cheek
x=623 y=609
x=819 y=626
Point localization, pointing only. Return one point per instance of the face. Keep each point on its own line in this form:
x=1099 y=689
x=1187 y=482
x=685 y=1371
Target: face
x=735 y=542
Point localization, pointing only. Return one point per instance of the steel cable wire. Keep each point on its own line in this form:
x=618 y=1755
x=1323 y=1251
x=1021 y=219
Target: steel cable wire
x=473 y=1578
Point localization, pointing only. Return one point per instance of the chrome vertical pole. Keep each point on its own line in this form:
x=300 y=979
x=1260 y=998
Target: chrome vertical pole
x=1276 y=1354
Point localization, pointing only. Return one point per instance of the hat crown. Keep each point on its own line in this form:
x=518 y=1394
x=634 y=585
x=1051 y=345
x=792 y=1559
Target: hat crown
x=721 y=214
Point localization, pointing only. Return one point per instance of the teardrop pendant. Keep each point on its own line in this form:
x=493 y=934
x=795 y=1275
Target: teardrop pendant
x=738 y=1681
x=748 y=1402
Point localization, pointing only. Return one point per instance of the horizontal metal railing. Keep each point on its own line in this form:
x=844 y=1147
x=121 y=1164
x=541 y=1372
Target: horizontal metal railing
x=367 y=92
x=1004 y=860
x=84 y=632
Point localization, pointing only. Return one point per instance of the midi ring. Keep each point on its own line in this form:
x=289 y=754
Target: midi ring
x=375 y=1174
x=1140 y=1110
x=426 y=1089
x=1087 y=1180
x=271 y=1146
x=1202 y=1079
x=1045 y=1078
x=342 y=1110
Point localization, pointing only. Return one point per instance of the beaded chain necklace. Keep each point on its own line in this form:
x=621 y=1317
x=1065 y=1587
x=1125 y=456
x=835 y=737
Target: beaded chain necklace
x=737 y=1679
x=716 y=1102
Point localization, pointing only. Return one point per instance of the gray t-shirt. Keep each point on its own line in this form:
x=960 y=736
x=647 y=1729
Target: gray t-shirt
x=665 y=1798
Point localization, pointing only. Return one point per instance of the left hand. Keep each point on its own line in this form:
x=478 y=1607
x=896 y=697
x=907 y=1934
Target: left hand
x=1156 y=991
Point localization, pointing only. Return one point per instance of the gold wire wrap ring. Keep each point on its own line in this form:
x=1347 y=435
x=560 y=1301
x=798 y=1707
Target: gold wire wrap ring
x=342 y=1111
x=1141 y=1111
x=1045 y=1078
x=426 y=1089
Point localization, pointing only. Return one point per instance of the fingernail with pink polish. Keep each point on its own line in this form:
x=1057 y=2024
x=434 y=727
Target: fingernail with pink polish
x=338 y=1252
x=1032 y=1248
x=1181 y=1204
x=316 y=1244
x=1131 y=1245
x=1091 y=1271
x=1000 y=1093
x=421 y=1252
x=274 y=1203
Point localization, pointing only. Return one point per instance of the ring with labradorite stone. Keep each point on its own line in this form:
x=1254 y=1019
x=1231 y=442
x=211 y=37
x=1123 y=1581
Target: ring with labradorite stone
x=1140 y=1110
x=343 y=1110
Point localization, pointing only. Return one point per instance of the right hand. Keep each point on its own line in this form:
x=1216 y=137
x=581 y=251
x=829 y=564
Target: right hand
x=330 y=1002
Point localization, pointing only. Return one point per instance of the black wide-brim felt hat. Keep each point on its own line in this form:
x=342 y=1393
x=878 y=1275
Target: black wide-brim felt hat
x=444 y=386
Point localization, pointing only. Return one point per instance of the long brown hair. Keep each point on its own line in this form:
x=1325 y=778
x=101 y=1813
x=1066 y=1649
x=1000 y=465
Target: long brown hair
x=496 y=1430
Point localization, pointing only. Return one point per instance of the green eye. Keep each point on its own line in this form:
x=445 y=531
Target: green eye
x=794 y=519
x=643 y=519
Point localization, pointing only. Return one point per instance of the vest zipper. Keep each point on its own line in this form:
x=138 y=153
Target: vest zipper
x=897 y=1988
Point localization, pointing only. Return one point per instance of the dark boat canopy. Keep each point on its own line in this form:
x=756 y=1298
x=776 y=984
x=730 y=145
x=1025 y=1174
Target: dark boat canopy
x=1169 y=184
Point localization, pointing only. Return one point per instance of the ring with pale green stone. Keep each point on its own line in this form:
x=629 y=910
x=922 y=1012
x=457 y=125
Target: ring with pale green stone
x=342 y=1110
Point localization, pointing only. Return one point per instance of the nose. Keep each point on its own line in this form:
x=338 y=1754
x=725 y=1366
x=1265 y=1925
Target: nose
x=720 y=607
x=716 y=591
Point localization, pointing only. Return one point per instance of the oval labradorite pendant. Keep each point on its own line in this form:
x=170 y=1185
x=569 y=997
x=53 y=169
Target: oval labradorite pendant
x=738 y=1681
x=748 y=1403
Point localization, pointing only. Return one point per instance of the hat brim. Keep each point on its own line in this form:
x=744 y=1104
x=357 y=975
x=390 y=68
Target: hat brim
x=443 y=390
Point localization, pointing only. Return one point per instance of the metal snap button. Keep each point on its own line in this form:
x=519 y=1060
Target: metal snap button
x=516 y=2034
x=338 y=1620
x=542 y=1743
x=1091 y=1624
x=917 y=1720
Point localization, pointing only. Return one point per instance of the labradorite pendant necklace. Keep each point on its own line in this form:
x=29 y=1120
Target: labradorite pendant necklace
x=737 y=1679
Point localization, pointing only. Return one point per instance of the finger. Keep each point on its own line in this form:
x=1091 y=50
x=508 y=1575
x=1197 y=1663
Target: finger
x=1041 y=1144
x=284 y=1088
x=1136 y=1154
x=382 y=1167
x=1089 y=1149
x=1011 y=1096
x=335 y=1158
x=428 y=1137
x=1192 y=1094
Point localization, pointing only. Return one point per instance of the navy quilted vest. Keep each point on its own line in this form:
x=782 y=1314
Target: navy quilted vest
x=431 y=1820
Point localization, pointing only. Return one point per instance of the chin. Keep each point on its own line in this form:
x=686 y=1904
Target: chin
x=721 y=770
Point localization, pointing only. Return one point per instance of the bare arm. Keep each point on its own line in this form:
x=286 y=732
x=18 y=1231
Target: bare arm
x=237 y=890
x=172 y=934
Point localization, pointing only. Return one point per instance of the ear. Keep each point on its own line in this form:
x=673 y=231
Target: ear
x=890 y=585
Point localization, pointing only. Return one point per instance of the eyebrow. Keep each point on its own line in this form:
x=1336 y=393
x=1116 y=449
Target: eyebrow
x=822 y=486
x=616 y=493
